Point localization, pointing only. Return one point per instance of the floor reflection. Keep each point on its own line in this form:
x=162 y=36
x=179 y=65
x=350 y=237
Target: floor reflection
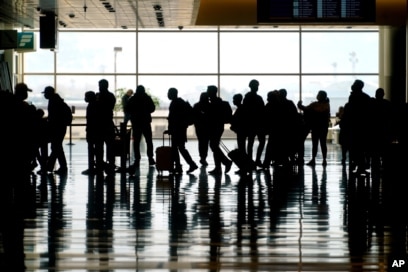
x=287 y=219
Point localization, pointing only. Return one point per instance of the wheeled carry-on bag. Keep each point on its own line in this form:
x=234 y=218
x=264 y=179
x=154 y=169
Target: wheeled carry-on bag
x=245 y=163
x=163 y=157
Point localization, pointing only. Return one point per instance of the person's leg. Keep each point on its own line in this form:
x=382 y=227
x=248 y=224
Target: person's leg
x=137 y=136
x=110 y=152
x=147 y=133
x=215 y=148
x=261 y=146
x=323 y=145
x=187 y=157
x=175 y=157
x=250 y=144
x=315 y=143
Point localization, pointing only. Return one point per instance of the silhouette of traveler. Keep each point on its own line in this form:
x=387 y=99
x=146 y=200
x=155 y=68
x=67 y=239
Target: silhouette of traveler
x=202 y=125
x=106 y=103
x=15 y=169
x=179 y=111
x=237 y=122
x=21 y=94
x=219 y=114
x=254 y=112
x=382 y=125
x=92 y=130
x=125 y=100
x=356 y=122
x=274 y=129
x=342 y=135
x=288 y=129
x=317 y=116
x=140 y=107
x=57 y=128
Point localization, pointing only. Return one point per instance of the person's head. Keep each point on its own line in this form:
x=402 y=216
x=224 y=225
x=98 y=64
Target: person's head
x=357 y=86
x=283 y=93
x=140 y=89
x=237 y=99
x=273 y=96
x=21 y=91
x=129 y=92
x=40 y=113
x=212 y=91
x=204 y=97
x=90 y=96
x=321 y=96
x=48 y=92
x=379 y=93
x=254 y=85
x=172 y=93
x=103 y=85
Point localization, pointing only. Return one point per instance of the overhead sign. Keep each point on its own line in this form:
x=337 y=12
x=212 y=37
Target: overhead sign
x=25 y=42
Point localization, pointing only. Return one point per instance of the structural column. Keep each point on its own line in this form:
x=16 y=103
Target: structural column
x=393 y=62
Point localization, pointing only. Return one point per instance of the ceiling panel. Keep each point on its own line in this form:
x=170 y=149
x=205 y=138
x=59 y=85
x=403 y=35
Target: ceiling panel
x=100 y=13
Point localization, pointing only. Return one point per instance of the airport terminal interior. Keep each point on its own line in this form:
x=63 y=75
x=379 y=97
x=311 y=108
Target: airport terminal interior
x=325 y=217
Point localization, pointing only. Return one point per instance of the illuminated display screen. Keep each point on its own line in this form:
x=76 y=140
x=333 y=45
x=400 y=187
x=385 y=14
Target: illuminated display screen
x=316 y=11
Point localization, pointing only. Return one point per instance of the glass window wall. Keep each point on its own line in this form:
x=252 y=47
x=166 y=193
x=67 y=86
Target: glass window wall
x=302 y=62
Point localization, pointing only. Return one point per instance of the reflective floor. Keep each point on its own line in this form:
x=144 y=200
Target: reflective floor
x=297 y=219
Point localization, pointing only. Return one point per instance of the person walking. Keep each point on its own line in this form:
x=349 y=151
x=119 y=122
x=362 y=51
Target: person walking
x=140 y=107
x=219 y=114
x=201 y=126
x=57 y=128
x=317 y=115
x=178 y=123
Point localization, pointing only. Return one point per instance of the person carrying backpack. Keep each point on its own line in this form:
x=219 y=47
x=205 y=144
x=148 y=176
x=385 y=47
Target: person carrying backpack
x=58 y=120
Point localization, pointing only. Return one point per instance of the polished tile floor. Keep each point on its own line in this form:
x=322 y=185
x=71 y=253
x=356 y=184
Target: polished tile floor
x=298 y=219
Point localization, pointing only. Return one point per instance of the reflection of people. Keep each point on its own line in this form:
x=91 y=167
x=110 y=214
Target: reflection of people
x=178 y=125
x=140 y=107
x=125 y=99
x=57 y=128
x=317 y=115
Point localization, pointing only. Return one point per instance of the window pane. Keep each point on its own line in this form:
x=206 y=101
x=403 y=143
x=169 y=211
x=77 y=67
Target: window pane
x=340 y=52
x=263 y=52
x=189 y=87
x=40 y=61
x=178 y=52
x=337 y=88
x=94 y=52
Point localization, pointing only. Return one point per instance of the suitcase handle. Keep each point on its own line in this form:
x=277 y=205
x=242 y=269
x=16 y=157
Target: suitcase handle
x=164 y=133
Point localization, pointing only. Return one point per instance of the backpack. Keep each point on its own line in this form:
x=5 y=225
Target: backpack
x=67 y=114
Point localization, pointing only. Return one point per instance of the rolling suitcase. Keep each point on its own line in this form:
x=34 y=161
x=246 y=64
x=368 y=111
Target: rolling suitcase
x=163 y=158
x=245 y=163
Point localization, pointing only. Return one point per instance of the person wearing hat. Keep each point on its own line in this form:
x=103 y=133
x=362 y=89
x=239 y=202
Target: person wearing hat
x=57 y=128
x=27 y=114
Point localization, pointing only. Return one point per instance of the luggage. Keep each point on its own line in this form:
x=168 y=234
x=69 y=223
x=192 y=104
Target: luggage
x=245 y=163
x=163 y=158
